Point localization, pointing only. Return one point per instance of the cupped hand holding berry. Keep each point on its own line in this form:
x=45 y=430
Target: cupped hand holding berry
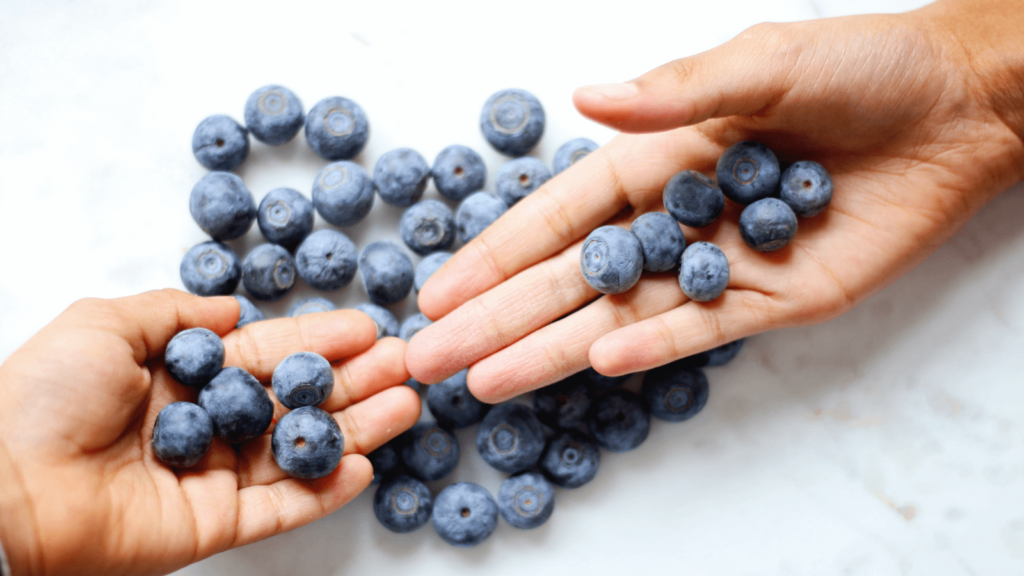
x=917 y=116
x=81 y=491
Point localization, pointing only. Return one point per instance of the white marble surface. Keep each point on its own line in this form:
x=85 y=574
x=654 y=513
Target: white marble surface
x=888 y=441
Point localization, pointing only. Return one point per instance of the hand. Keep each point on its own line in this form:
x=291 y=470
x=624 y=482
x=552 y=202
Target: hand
x=80 y=489
x=913 y=119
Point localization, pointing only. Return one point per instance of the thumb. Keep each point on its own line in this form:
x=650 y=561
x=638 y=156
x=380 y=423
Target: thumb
x=741 y=77
x=149 y=320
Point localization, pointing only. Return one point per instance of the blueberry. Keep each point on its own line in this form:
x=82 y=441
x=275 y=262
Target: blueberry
x=401 y=176
x=693 y=199
x=343 y=193
x=219 y=143
x=476 y=213
x=193 y=357
x=303 y=379
x=412 y=325
x=620 y=421
x=311 y=305
x=512 y=121
x=387 y=324
x=182 y=434
x=428 y=226
x=571 y=459
x=611 y=259
x=426 y=268
x=767 y=225
x=526 y=500
x=516 y=179
x=600 y=383
x=675 y=392
x=718 y=356
x=273 y=114
x=387 y=272
x=510 y=437
x=268 y=272
x=238 y=404
x=747 y=172
x=722 y=355
x=571 y=152
x=661 y=241
x=452 y=405
x=385 y=460
x=703 y=272
x=210 y=269
x=429 y=451
x=563 y=404
x=806 y=187
x=413 y=383
x=327 y=260
x=249 y=313
x=337 y=128
x=458 y=172
x=465 y=514
x=222 y=205
x=403 y=504
x=285 y=217
x=307 y=443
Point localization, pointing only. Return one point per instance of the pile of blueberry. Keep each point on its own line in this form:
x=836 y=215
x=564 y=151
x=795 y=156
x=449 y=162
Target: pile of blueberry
x=749 y=174
x=307 y=442
x=554 y=442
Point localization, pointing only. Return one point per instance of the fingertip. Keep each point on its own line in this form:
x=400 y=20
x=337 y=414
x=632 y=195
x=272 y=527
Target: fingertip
x=425 y=357
x=486 y=388
x=610 y=356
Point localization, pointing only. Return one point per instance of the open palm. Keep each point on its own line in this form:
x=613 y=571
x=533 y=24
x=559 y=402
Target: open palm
x=77 y=408
x=912 y=144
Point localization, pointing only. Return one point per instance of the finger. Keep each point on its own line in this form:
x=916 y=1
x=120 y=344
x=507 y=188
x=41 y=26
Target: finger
x=560 y=349
x=148 y=321
x=259 y=347
x=741 y=77
x=360 y=377
x=684 y=331
x=499 y=317
x=628 y=171
x=365 y=426
x=266 y=510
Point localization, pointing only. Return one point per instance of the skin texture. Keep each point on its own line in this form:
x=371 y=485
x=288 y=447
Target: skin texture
x=571 y=152
x=311 y=305
x=426 y=268
x=916 y=145
x=99 y=366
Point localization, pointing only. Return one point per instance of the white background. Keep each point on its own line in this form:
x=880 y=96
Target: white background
x=888 y=441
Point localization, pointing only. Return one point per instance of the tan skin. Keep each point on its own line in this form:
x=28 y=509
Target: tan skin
x=918 y=117
x=80 y=489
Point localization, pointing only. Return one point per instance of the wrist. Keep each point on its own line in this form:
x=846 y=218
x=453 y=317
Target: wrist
x=17 y=523
x=987 y=41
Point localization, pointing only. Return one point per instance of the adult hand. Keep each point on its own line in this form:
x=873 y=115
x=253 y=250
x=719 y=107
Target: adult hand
x=80 y=489
x=917 y=116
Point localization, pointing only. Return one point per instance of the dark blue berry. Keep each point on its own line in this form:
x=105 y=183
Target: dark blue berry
x=307 y=443
x=193 y=357
x=429 y=451
x=526 y=500
x=452 y=405
x=403 y=504
x=465 y=514
x=620 y=422
x=238 y=404
x=182 y=434
x=510 y=438
x=303 y=379
x=693 y=199
x=675 y=392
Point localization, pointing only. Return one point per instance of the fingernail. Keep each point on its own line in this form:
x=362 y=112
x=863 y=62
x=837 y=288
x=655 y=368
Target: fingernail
x=620 y=91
